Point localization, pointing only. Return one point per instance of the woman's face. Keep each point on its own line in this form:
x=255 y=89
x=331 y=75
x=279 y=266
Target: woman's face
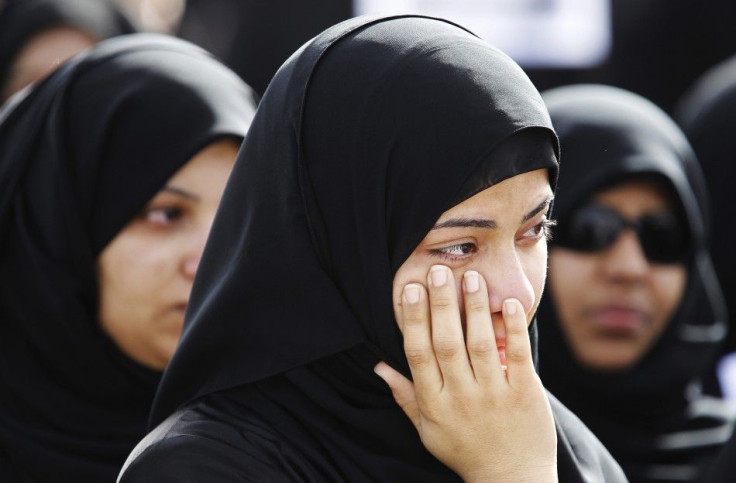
x=500 y=233
x=146 y=271
x=614 y=304
x=42 y=54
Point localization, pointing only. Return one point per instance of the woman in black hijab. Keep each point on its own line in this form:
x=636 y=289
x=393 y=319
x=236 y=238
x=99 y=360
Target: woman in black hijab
x=85 y=157
x=36 y=35
x=707 y=114
x=633 y=316
x=365 y=137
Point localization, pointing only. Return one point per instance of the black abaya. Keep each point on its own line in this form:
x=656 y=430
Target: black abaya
x=80 y=156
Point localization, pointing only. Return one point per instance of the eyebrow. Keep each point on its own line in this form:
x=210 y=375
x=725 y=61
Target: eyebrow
x=181 y=192
x=540 y=207
x=487 y=223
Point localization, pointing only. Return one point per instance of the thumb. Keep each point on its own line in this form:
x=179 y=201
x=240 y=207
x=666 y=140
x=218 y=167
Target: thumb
x=402 y=390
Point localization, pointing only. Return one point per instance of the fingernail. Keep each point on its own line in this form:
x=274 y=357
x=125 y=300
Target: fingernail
x=472 y=284
x=510 y=306
x=438 y=274
x=411 y=294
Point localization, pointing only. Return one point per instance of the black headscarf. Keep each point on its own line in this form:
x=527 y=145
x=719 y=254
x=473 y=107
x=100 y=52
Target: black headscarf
x=21 y=20
x=650 y=416
x=363 y=139
x=80 y=155
x=707 y=114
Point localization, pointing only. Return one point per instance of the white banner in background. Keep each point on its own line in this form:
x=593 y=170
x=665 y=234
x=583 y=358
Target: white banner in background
x=535 y=33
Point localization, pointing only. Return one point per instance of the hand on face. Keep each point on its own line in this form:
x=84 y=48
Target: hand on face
x=484 y=422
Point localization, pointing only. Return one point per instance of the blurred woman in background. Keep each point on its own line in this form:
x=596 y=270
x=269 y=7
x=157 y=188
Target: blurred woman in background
x=634 y=316
x=110 y=173
x=707 y=114
x=36 y=36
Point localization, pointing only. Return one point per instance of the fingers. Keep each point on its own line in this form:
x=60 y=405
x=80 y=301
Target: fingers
x=447 y=331
x=402 y=390
x=417 y=331
x=518 y=348
x=480 y=340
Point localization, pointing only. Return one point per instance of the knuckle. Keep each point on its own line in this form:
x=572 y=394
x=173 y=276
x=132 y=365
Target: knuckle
x=481 y=348
x=415 y=318
x=517 y=356
x=416 y=357
x=446 y=350
x=476 y=305
x=442 y=304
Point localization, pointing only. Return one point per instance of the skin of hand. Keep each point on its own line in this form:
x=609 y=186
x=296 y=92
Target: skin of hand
x=483 y=422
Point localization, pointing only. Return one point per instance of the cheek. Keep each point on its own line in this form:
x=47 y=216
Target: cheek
x=535 y=268
x=668 y=286
x=570 y=278
x=132 y=270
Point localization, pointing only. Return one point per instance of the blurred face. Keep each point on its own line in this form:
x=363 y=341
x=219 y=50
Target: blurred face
x=615 y=303
x=146 y=271
x=42 y=54
x=500 y=233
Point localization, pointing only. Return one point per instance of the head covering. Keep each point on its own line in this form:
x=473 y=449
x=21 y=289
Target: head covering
x=21 y=20
x=365 y=136
x=647 y=416
x=80 y=155
x=707 y=114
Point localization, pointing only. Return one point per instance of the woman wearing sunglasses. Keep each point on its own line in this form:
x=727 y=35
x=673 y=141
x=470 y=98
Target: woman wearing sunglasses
x=633 y=315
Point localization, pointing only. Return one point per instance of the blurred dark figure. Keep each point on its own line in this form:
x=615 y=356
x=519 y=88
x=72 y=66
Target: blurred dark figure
x=659 y=48
x=255 y=37
x=36 y=36
x=633 y=318
x=707 y=114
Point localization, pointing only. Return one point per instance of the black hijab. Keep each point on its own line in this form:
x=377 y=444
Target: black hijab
x=707 y=114
x=80 y=155
x=652 y=417
x=21 y=20
x=364 y=137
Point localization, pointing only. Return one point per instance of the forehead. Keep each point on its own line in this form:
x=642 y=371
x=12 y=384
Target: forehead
x=635 y=198
x=511 y=197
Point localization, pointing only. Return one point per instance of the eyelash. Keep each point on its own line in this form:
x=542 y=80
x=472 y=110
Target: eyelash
x=170 y=215
x=543 y=229
x=546 y=228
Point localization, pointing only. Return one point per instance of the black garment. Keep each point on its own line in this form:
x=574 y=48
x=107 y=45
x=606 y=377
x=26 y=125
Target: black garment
x=707 y=114
x=364 y=137
x=254 y=37
x=80 y=156
x=21 y=20
x=652 y=417
x=659 y=48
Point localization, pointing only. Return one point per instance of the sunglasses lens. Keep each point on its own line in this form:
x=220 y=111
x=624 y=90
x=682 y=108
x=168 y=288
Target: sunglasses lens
x=592 y=228
x=663 y=238
x=589 y=229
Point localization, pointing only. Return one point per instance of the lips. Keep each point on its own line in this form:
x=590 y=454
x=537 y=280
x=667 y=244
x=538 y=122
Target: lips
x=618 y=320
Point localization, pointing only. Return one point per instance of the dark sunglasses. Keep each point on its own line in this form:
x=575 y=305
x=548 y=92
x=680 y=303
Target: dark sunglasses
x=592 y=228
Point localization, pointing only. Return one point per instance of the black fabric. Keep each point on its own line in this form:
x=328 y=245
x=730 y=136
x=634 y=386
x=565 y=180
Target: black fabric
x=254 y=37
x=707 y=114
x=652 y=417
x=365 y=136
x=80 y=155
x=659 y=48
x=21 y=20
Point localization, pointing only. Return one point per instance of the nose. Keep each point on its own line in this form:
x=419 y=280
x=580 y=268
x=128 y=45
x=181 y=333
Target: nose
x=193 y=255
x=190 y=265
x=625 y=259
x=506 y=278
